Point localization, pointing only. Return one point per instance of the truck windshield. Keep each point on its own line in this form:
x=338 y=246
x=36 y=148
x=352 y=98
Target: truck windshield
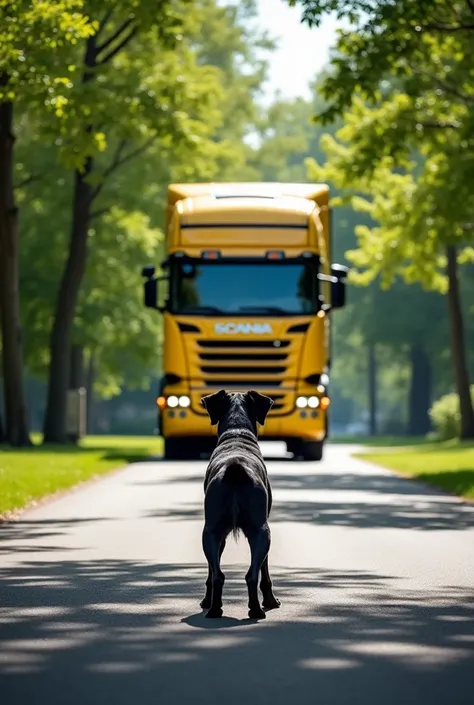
x=269 y=288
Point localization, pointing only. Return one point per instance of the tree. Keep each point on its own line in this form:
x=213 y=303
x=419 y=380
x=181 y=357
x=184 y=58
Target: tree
x=111 y=326
x=126 y=94
x=34 y=39
x=408 y=240
x=425 y=49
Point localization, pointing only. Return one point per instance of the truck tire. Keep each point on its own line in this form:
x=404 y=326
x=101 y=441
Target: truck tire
x=312 y=450
x=182 y=448
x=171 y=449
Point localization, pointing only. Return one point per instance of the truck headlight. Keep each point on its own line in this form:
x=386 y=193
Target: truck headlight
x=184 y=402
x=172 y=402
x=303 y=402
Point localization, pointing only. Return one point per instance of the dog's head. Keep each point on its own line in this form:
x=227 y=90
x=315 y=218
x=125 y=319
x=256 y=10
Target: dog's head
x=237 y=410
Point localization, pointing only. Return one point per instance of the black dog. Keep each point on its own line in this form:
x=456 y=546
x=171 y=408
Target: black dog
x=237 y=496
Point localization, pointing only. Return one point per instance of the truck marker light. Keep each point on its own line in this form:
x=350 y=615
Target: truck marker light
x=325 y=401
x=173 y=401
x=275 y=254
x=161 y=402
x=321 y=388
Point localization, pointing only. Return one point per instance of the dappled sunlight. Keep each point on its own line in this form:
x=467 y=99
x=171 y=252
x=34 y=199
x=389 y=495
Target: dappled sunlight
x=110 y=601
x=328 y=494
x=104 y=621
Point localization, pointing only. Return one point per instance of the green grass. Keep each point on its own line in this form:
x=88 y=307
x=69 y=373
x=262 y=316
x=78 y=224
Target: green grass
x=448 y=466
x=379 y=441
x=29 y=474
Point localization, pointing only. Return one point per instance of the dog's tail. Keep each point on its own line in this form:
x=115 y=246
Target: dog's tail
x=235 y=475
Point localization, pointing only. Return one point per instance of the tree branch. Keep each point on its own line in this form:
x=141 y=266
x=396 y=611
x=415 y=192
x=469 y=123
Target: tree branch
x=470 y=4
x=105 y=19
x=29 y=180
x=90 y=60
x=128 y=157
x=99 y=212
x=114 y=164
x=448 y=88
x=438 y=124
x=435 y=27
x=118 y=48
x=116 y=34
x=120 y=160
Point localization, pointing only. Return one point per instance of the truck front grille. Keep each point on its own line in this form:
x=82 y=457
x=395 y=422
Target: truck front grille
x=248 y=364
x=275 y=344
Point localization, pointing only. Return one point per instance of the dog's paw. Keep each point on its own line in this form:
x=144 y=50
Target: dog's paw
x=214 y=613
x=257 y=613
x=205 y=603
x=272 y=604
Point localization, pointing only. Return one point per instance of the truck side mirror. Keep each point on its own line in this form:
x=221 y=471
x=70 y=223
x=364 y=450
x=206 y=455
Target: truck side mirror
x=150 y=290
x=338 y=285
x=148 y=271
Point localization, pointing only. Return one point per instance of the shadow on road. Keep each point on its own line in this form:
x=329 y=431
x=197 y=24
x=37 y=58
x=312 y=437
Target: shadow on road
x=364 y=501
x=122 y=631
x=14 y=533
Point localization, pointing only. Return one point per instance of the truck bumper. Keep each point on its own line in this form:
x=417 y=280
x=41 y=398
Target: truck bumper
x=303 y=424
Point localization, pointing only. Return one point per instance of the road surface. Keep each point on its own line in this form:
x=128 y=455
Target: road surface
x=100 y=591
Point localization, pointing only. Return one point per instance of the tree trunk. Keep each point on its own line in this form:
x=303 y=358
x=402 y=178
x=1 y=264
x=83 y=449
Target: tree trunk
x=60 y=340
x=372 y=371
x=2 y=434
x=419 y=402
x=16 y=418
x=458 y=346
x=90 y=374
x=76 y=379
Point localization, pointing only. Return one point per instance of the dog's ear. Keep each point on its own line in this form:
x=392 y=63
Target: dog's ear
x=262 y=405
x=214 y=405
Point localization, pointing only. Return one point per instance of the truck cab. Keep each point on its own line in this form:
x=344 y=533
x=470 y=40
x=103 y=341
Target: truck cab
x=246 y=296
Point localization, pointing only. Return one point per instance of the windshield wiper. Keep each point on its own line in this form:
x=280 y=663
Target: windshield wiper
x=202 y=309
x=264 y=309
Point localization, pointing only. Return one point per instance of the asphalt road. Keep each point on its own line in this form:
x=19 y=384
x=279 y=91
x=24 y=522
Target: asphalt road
x=100 y=591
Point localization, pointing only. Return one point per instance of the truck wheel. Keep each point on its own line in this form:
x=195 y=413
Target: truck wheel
x=312 y=450
x=182 y=448
x=173 y=449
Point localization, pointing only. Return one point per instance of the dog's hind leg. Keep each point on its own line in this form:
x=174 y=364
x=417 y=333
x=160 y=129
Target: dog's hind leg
x=212 y=543
x=270 y=602
x=259 y=541
x=207 y=599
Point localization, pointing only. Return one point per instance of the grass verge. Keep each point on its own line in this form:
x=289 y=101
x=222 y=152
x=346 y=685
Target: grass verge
x=448 y=466
x=29 y=474
x=379 y=441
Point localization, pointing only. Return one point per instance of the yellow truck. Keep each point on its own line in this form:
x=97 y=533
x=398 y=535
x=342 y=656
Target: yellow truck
x=246 y=297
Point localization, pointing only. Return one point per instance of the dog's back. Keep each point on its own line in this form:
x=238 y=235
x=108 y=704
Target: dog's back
x=236 y=485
